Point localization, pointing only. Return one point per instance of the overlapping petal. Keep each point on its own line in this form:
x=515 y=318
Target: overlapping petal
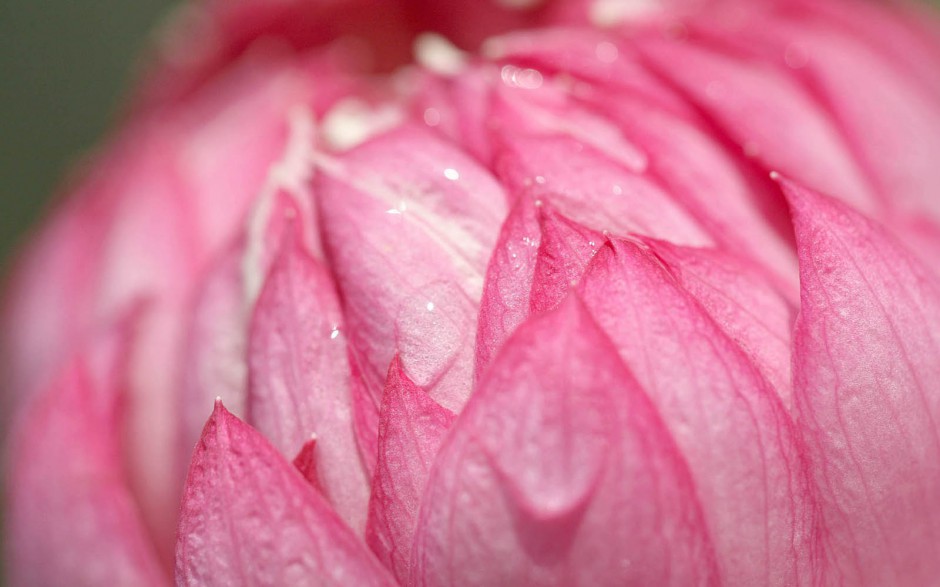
x=248 y=517
x=560 y=472
x=866 y=372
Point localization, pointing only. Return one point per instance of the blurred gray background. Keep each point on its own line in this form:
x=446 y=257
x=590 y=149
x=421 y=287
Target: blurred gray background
x=64 y=65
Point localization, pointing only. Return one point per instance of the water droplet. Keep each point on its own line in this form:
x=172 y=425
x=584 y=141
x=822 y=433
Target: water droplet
x=334 y=333
x=430 y=306
x=451 y=174
x=527 y=79
x=539 y=179
x=432 y=117
x=617 y=190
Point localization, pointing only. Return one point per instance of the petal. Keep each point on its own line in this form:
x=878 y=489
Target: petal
x=599 y=58
x=410 y=434
x=409 y=224
x=307 y=462
x=299 y=378
x=768 y=115
x=249 y=518
x=216 y=346
x=72 y=518
x=740 y=299
x=559 y=472
x=894 y=114
x=505 y=302
x=866 y=369
x=740 y=444
x=585 y=168
x=741 y=211
x=564 y=252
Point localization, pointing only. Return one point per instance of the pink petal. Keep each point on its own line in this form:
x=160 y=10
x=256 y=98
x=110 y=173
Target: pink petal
x=365 y=404
x=216 y=347
x=584 y=166
x=894 y=114
x=740 y=299
x=410 y=434
x=564 y=252
x=409 y=223
x=866 y=372
x=742 y=449
x=307 y=463
x=559 y=472
x=601 y=59
x=904 y=33
x=249 y=518
x=741 y=211
x=509 y=277
x=769 y=116
x=72 y=518
x=299 y=380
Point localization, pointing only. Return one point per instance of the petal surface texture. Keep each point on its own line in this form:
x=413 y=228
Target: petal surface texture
x=72 y=518
x=411 y=431
x=299 y=379
x=250 y=518
x=741 y=446
x=409 y=223
x=867 y=381
x=559 y=472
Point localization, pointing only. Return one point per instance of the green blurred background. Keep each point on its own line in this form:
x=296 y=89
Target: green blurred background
x=64 y=65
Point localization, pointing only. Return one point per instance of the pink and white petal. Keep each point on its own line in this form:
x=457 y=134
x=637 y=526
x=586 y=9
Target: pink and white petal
x=559 y=472
x=586 y=169
x=251 y=128
x=299 y=378
x=248 y=517
x=411 y=431
x=217 y=343
x=743 y=451
x=740 y=299
x=72 y=518
x=509 y=276
x=866 y=372
x=409 y=224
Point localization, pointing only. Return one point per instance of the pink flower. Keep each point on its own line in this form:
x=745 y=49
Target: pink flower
x=595 y=292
